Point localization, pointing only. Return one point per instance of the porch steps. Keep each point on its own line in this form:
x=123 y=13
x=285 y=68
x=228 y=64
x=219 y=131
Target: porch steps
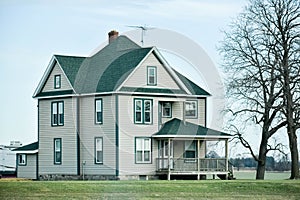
x=228 y=176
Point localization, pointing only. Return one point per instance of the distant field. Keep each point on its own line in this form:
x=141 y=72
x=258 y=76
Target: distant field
x=204 y=189
x=268 y=175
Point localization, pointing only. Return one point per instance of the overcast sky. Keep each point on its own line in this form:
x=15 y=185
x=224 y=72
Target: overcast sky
x=32 y=31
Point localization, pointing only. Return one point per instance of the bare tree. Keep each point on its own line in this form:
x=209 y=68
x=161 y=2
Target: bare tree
x=285 y=19
x=254 y=83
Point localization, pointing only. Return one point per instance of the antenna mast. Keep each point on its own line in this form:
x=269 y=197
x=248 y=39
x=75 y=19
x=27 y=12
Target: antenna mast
x=143 y=31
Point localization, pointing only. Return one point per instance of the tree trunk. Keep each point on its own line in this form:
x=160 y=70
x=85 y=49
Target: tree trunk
x=294 y=154
x=261 y=163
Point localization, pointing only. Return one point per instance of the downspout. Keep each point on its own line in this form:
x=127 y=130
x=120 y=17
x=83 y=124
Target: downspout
x=38 y=129
x=183 y=112
x=78 y=133
x=117 y=133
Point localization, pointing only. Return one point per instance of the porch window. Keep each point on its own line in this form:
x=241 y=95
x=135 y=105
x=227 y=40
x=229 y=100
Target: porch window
x=151 y=75
x=190 y=149
x=191 y=109
x=98 y=150
x=57 y=113
x=142 y=111
x=22 y=159
x=57 y=151
x=142 y=150
x=166 y=109
x=57 y=81
x=98 y=111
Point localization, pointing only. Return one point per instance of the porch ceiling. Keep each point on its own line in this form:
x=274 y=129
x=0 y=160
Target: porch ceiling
x=176 y=128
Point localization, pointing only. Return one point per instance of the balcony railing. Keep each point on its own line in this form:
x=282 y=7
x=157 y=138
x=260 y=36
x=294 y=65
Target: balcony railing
x=191 y=164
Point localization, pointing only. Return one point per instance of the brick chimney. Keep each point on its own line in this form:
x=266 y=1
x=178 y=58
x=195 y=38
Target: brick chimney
x=112 y=35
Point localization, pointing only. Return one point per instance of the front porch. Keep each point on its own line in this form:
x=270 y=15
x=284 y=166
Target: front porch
x=183 y=151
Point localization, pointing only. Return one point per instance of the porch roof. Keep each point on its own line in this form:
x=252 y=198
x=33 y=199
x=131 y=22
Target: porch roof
x=30 y=148
x=176 y=128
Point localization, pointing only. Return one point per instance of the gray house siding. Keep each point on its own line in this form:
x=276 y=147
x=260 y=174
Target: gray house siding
x=29 y=170
x=49 y=85
x=89 y=130
x=127 y=134
x=177 y=110
x=139 y=77
x=67 y=133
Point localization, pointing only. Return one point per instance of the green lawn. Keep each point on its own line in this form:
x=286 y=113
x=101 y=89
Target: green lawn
x=205 y=189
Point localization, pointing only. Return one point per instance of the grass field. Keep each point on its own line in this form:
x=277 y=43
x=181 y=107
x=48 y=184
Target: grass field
x=205 y=189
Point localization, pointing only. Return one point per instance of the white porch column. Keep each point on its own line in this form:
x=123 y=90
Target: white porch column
x=169 y=159
x=226 y=154
x=198 y=155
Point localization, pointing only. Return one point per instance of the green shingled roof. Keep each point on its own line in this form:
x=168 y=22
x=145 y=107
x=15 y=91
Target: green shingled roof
x=177 y=127
x=108 y=68
x=70 y=65
x=191 y=86
x=29 y=147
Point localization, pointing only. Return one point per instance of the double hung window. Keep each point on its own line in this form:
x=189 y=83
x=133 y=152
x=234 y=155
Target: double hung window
x=151 y=75
x=57 y=151
x=142 y=111
x=57 y=113
x=57 y=81
x=21 y=159
x=99 y=150
x=143 y=150
x=98 y=111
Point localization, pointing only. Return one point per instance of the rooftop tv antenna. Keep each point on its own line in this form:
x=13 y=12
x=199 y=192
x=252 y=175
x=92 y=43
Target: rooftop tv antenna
x=143 y=33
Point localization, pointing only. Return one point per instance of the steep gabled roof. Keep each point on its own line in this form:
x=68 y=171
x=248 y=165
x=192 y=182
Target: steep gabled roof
x=106 y=70
x=177 y=128
x=192 y=87
x=70 y=65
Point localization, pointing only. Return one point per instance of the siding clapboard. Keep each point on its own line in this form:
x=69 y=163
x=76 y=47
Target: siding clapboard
x=89 y=130
x=29 y=170
x=67 y=133
x=49 y=85
x=139 y=77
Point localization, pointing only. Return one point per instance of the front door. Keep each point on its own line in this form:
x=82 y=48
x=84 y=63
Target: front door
x=164 y=154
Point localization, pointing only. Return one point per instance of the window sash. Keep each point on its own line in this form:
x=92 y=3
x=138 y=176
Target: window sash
x=166 y=109
x=22 y=159
x=147 y=111
x=143 y=150
x=151 y=79
x=57 y=113
x=191 y=108
x=138 y=118
x=57 y=81
x=143 y=111
x=98 y=111
x=99 y=150
x=57 y=151
x=190 y=149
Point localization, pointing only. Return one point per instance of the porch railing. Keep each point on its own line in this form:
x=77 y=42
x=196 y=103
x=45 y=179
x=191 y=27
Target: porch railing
x=191 y=164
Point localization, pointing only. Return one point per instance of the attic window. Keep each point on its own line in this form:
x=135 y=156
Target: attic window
x=57 y=82
x=151 y=75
